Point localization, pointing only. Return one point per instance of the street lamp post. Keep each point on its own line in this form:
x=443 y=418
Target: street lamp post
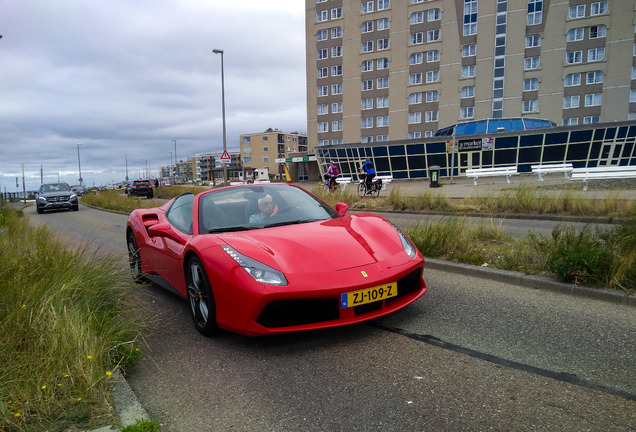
x=170 y=167
x=220 y=51
x=176 y=168
x=126 y=167
x=79 y=164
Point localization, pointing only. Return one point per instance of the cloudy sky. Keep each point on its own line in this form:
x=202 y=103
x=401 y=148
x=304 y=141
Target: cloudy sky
x=129 y=76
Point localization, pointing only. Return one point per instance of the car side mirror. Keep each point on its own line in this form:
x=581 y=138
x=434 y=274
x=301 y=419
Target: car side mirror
x=164 y=230
x=341 y=208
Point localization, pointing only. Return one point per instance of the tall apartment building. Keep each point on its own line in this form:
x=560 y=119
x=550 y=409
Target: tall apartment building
x=260 y=150
x=386 y=70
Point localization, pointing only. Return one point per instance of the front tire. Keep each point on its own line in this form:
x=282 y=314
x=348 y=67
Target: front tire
x=40 y=211
x=134 y=259
x=361 y=189
x=200 y=298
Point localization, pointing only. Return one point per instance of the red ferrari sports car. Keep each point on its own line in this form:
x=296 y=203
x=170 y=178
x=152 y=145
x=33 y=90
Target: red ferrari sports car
x=273 y=258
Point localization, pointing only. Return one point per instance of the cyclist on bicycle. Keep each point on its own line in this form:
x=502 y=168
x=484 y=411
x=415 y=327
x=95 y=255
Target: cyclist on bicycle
x=369 y=173
x=331 y=174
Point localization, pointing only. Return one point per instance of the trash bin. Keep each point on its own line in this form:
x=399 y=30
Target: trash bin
x=433 y=171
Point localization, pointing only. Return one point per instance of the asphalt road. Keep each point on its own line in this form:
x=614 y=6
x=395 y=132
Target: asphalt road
x=471 y=355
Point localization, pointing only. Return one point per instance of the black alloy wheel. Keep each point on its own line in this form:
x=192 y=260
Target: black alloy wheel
x=134 y=259
x=200 y=298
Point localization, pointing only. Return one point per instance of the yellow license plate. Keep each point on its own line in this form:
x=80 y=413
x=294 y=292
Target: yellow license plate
x=368 y=295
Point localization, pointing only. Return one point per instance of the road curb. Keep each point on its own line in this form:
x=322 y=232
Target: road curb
x=532 y=281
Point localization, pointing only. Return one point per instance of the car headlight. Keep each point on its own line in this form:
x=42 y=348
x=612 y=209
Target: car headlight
x=407 y=244
x=41 y=199
x=259 y=271
x=74 y=196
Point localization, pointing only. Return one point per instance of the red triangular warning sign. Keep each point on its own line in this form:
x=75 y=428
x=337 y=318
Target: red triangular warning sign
x=225 y=155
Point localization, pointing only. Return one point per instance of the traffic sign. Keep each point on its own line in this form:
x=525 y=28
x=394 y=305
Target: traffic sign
x=225 y=157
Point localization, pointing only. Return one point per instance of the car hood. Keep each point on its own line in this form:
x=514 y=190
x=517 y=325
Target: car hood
x=337 y=244
x=56 y=194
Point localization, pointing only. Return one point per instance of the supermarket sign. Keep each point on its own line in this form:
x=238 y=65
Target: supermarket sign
x=296 y=159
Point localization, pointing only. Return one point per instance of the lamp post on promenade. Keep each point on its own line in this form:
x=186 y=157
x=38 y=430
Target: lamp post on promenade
x=79 y=164
x=126 y=167
x=176 y=167
x=220 y=51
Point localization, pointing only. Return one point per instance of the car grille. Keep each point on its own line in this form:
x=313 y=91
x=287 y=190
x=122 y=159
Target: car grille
x=286 y=313
x=53 y=199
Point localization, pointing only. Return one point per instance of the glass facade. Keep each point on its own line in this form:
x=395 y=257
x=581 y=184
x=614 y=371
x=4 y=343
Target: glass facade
x=584 y=146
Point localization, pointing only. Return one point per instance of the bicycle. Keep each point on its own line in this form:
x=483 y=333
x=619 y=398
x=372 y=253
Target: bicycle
x=376 y=187
x=330 y=187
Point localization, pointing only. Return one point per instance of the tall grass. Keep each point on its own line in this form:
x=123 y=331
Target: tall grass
x=65 y=326
x=603 y=257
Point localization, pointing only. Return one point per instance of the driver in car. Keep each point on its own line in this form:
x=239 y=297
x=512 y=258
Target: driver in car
x=266 y=207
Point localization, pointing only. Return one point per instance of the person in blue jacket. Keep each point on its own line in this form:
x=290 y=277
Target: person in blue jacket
x=369 y=173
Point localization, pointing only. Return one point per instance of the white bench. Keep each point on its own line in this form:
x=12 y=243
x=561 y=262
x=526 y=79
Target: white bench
x=507 y=171
x=541 y=170
x=343 y=182
x=603 y=172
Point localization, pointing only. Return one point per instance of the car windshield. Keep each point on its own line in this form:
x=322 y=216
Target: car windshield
x=259 y=206
x=54 y=187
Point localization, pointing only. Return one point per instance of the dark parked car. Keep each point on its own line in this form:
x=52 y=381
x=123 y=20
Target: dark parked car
x=54 y=196
x=78 y=189
x=141 y=188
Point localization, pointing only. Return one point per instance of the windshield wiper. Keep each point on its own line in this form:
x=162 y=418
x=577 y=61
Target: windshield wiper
x=293 y=222
x=232 y=228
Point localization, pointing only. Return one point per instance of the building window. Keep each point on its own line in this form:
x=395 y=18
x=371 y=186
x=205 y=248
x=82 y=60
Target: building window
x=323 y=109
x=415 y=135
x=574 y=57
x=383 y=83
x=416 y=58
x=382 y=102
x=632 y=96
x=323 y=142
x=598 y=31
x=247 y=159
x=367 y=46
x=469 y=50
x=598 y=8
x=383 y=63
x=367 y=66
x=323 y=127
x=432 y=56
x=336 y=33
x=467 y=112
x=415 y=118
x=535 y=12
x=591 y=119
x=336 y=107
x=594 y=77
x=323 y=91
x=384 y=24
x=417 y=18
x=415 y=98
x=367 y=6
x=633 y=72
x=366 y=139
x=383 y=121
x=434 y=15
x=367 y=85
x=468 y=92
x=576 y=34
x=432 y=76
x=468 y=71
x=595 y=54
x=593 y=99
x=336 y=125
x=572 y=80
x=417 y=38
x=336 y=70
x=336 y=51
x=431 y=116
x=571 y=102
x=336 y=141
x=322 y=72
x=336 y=13
x=432 y=96
x=367 y=104
x=383 y=44
x=433 y=35
x=367 y=122
x=576 y=11
x=529 y=106
x=572 y=121
x=530 y=63
x=322 y=16
x=367 y=26
x=381 y=138
x=415 y=78
x=530 y=84
x=336 y=89
x=384 y=4
x=322 y=35
x=322 y=54
x=533 y=41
